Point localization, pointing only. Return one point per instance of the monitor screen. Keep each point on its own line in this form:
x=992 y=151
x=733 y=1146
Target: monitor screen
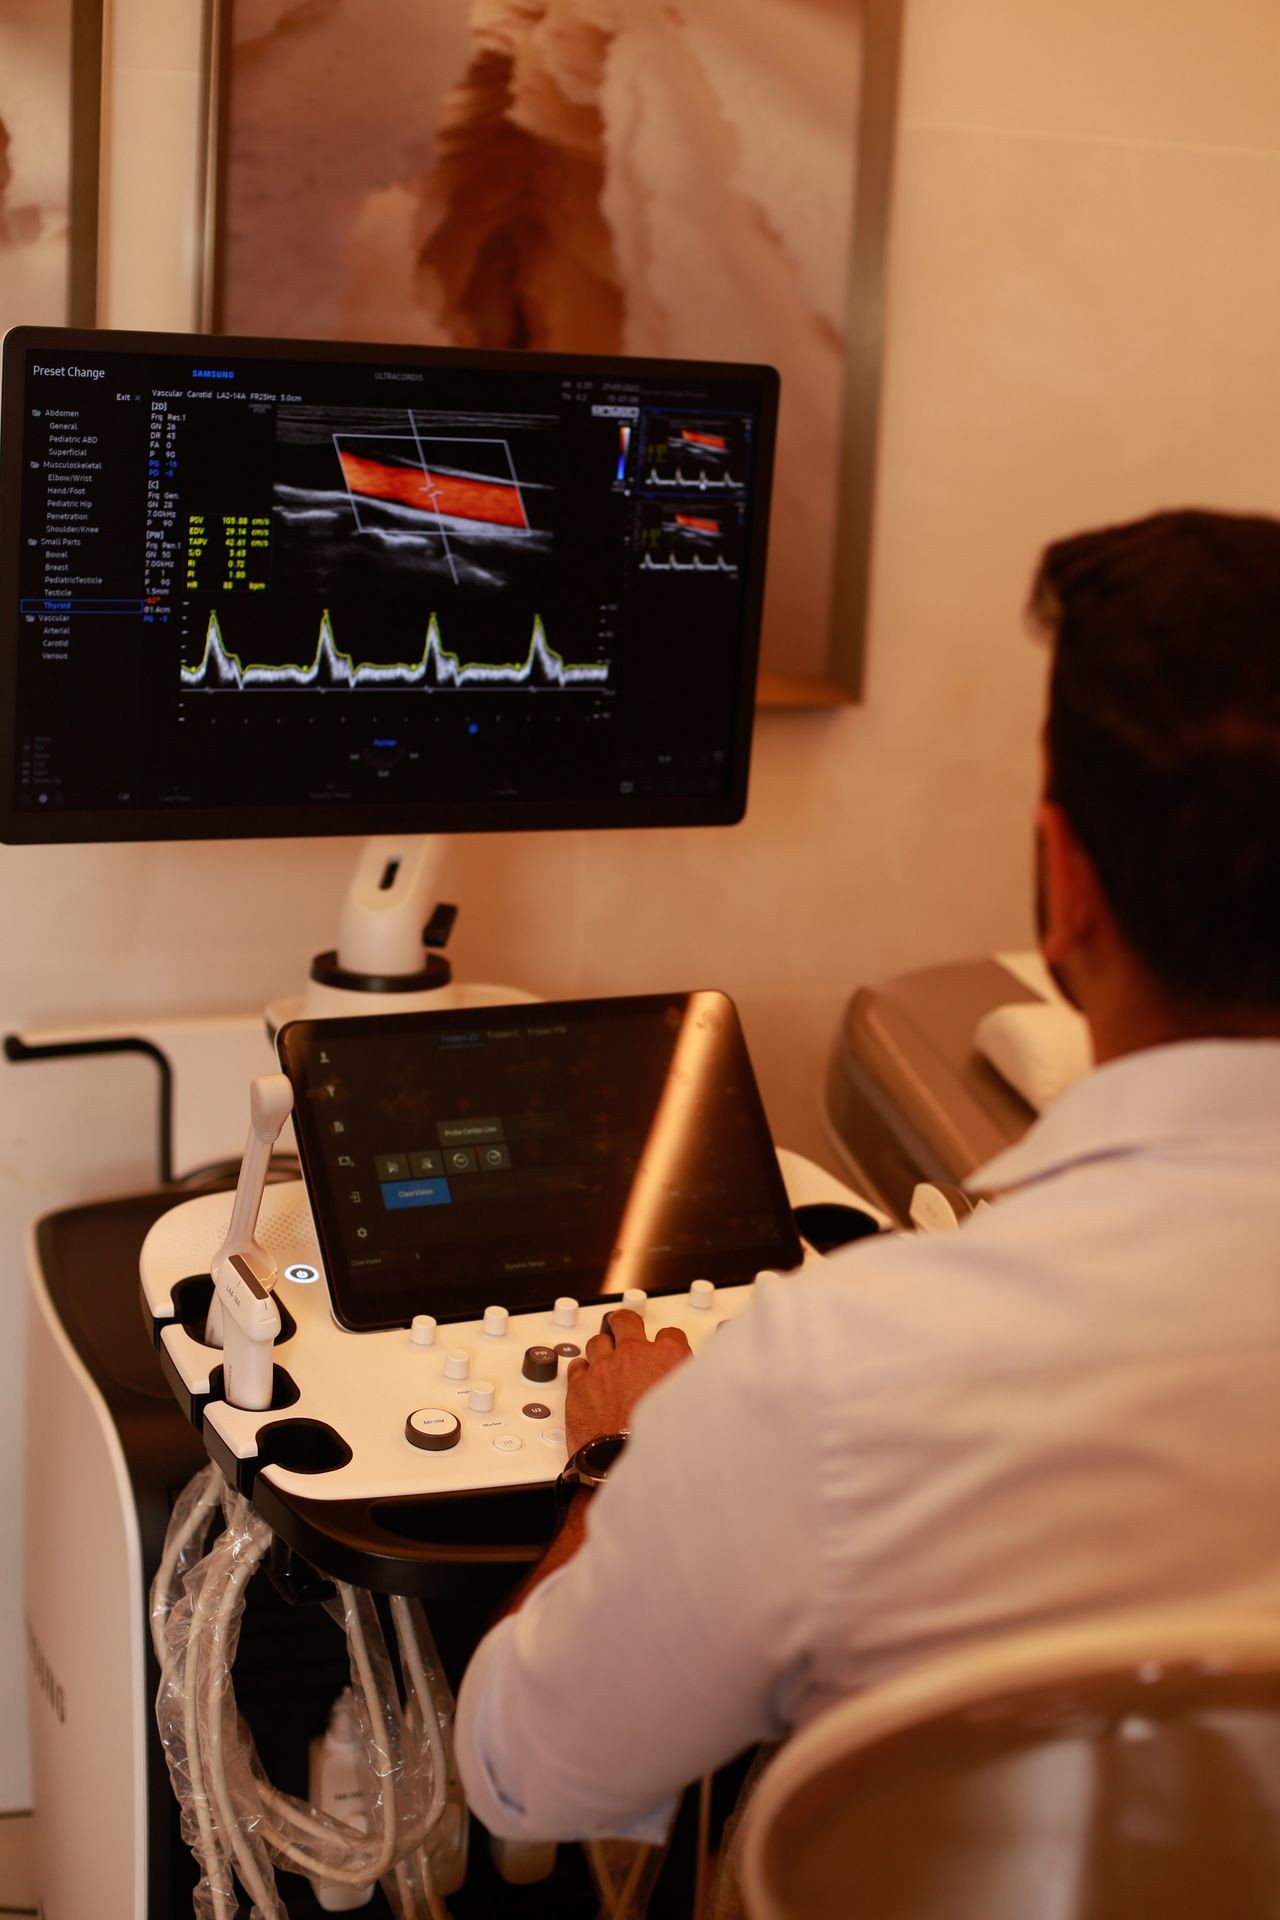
x=257 y=587
x=509 y=1155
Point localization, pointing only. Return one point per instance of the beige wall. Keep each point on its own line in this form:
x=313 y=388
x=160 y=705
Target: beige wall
x=1084 y=322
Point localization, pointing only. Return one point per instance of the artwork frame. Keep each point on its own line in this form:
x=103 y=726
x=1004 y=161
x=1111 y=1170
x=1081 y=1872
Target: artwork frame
x=84 y=171
x=845 y=678
x=50 y=135
x=833 y=673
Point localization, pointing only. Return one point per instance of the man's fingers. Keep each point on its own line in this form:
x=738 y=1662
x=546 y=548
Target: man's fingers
x=674 y=1336
x=575 y=1367
x=623 y=1327
x=624 y=1323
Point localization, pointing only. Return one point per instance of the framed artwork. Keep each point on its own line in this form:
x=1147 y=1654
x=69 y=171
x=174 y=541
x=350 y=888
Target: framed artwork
x=50 y=70
x=707 y=178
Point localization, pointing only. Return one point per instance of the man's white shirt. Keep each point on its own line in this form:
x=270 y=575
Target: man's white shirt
x=1067 y=1409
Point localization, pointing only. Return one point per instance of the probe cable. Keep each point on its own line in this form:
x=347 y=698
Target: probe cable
x=245 y=1816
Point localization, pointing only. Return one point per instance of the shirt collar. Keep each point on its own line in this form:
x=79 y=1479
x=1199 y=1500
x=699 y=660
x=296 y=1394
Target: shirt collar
x=1191 y=1090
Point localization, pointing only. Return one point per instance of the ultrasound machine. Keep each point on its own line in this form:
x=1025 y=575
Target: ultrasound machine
x=259 y=588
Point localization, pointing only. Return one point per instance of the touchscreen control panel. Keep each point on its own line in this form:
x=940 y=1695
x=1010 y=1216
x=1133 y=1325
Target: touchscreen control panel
x=521 y=1154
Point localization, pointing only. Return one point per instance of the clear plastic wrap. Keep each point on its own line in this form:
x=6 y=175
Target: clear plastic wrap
x=233 y=1818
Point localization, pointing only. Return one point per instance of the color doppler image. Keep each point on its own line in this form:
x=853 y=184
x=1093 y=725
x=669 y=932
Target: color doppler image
x=386 y=496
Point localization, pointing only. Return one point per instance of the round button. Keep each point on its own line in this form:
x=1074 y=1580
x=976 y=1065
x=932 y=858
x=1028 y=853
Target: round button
x=567 y=1350
x=495 y=1322
x=701 y=1294
x=536 y=1411
x=636 y=1298
x=302 y=1274
x=565 y=1312
x=422 y=1330
x=457 y=1364
x=508 y=1443
x=480 y=1399
x=540 y=1363
x=433 y=1429
x=553 y=1437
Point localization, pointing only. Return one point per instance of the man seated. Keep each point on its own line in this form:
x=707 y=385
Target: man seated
x=1066 y=1409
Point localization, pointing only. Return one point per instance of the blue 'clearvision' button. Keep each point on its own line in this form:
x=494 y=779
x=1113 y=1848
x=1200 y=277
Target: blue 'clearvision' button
x=415 y=1193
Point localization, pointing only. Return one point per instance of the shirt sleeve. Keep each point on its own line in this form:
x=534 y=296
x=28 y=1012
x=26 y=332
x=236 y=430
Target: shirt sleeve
x=679 y=1630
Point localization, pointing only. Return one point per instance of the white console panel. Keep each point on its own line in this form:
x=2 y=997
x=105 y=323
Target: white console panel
x=366 y=1386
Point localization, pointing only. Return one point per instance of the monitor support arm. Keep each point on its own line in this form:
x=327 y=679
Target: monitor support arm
x=387 y=960
x=387 y=904
x=244 y=1320
x=384 y=933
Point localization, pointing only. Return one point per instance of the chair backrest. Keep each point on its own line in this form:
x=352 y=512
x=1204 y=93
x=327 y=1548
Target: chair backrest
x=1122 y=1771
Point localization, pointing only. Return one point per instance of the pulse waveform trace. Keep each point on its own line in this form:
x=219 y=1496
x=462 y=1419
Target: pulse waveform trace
x=694 y=565
x=219 y=666
x=695 y=482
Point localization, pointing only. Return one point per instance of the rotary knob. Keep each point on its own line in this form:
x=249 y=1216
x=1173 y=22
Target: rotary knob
x=495 y=1322
x=457 y=1364
x=480 y=1399
x=540 y=1363
x=636 y=1298
x=565 y=1312
x=701 y=1294
x=433 y=1429
x=423 y=1330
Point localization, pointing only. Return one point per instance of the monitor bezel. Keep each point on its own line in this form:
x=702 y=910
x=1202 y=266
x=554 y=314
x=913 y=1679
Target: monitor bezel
x=25 y=828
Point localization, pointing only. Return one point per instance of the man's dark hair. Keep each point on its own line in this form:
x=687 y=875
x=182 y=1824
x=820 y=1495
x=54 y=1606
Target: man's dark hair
x=1163 y=739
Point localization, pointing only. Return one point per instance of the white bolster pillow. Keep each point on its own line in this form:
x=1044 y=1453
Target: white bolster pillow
x=1039 y=1049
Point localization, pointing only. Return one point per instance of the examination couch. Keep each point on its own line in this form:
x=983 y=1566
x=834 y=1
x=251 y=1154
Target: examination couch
x=912 y=1090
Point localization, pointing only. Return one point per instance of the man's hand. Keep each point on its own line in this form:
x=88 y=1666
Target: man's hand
x=621 y=1363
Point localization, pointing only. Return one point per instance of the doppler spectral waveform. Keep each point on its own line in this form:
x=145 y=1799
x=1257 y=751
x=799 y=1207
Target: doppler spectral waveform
x=219 y=666
x=693 y=565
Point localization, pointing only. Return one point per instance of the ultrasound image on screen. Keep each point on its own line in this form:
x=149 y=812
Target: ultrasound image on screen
x=386 y=500
x=337 y=590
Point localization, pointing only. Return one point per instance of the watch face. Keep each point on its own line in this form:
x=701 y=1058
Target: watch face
x=596 y=1458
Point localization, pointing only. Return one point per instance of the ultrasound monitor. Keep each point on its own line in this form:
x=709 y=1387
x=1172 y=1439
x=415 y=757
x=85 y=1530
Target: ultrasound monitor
x=257 y=587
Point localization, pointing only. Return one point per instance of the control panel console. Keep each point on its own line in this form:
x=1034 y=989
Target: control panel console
x=445 y=1407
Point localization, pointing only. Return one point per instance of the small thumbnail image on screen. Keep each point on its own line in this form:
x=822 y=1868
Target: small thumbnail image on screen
x=690 y=536
x=690 y=452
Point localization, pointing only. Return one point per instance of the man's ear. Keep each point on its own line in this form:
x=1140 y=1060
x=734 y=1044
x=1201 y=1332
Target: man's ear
x=1071 y=905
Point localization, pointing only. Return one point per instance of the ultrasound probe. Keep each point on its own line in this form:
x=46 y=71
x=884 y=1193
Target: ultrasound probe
x=244 y=1320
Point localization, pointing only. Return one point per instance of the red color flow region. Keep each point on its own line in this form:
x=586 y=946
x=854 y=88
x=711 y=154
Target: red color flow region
x=495 y=501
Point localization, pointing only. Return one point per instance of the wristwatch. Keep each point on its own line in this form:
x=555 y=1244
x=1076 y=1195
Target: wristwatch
x=588 y=1468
